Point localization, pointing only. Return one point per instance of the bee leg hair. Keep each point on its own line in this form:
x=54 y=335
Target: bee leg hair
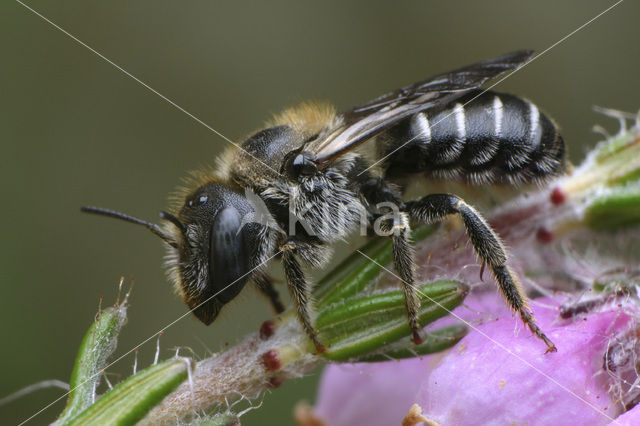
x=487 y=245
x=299 y=290
x=376 y=191
x=265 y=285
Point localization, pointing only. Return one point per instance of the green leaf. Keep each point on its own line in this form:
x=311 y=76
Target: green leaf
x=615 y=146
x=360 y=325
x=619 y=159
x=356 y=271
x=97 y=345
x=131 y=400
x=436 y=341
x=353 y=273
x=617 y=209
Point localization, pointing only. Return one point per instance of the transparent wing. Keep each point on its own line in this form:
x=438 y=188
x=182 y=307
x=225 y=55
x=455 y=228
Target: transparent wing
x=362 y=122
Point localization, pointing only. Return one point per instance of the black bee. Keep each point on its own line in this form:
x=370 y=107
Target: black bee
x=309 y=179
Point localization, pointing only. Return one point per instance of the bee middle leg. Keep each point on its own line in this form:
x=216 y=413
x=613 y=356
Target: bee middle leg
x=487 y=245
x=299 y=290
x=404 y=264
x=377 y=192
x=265 y=285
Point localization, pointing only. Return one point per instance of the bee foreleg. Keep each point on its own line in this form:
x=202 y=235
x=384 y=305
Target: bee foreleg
x=487 y=245
x=265 y=285
x=299 y=291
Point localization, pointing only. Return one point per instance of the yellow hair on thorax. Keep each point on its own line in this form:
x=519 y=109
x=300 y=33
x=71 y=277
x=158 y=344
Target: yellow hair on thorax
x=308 y=118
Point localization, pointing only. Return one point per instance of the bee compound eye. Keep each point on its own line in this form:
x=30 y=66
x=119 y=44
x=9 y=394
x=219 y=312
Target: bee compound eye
x=228 y=255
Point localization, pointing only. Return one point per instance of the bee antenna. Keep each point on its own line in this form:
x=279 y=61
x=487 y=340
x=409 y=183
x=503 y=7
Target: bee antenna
x=154 y=228
x=171 y=218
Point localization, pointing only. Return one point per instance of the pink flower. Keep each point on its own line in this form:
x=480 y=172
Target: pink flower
x=370 y=394
x=630 y=418
x=493 y=376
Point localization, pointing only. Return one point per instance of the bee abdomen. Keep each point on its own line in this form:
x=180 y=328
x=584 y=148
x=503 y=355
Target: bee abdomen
x=496 y=138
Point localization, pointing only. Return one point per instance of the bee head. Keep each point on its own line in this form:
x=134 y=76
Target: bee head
x=210 y=248
x=214 y=252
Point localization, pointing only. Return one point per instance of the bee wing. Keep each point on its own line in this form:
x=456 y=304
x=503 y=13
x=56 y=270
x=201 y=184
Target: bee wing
x=362 y=122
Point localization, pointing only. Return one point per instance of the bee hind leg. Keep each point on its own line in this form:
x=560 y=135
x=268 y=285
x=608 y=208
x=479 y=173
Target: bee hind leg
x=487 y=245
x=299 y=290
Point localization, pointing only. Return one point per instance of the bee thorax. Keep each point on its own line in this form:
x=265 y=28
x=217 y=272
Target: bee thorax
x=323 y=206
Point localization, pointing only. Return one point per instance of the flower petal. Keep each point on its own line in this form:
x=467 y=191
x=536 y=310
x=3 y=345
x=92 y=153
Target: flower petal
x=370 y=394
x=496 y=376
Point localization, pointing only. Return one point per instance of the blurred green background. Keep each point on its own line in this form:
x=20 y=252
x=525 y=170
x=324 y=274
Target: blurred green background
x=75 y=130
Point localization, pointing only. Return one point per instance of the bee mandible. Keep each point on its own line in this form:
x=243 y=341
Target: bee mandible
x=317 y=174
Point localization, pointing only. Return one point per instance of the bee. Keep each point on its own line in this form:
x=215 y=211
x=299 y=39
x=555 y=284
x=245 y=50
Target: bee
x=313 y=176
